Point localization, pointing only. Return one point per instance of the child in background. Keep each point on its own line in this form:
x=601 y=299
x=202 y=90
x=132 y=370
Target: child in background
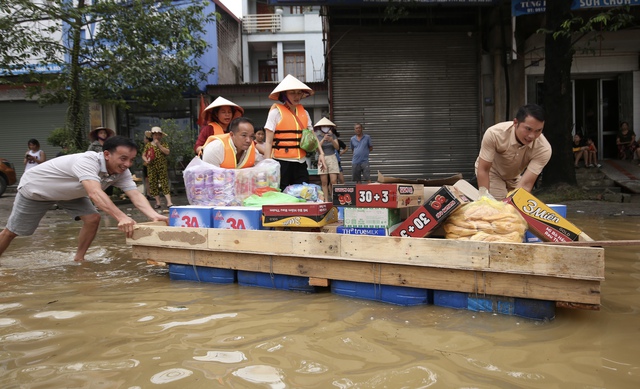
x=259 y=136
x=592 y=154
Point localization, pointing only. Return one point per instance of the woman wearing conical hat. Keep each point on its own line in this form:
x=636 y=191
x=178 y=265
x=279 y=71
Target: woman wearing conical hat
x=283 y=129
x=98 y=135
x=329 y=144
x=219 y=114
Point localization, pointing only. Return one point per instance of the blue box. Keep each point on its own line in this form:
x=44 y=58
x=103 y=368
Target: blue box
x=562 y=211
x=237 y=218
x=399 y=295
x=362 y=231
x=275 y=281
x=527 y=308
x=340 y=213
x=191 y=216
x=215 y=275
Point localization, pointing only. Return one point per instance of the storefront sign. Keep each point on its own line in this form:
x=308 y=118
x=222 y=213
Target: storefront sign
x=528 y=7
x=381 y=2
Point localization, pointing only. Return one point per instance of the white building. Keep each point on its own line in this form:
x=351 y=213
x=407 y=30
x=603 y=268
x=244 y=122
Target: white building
x=277 y=41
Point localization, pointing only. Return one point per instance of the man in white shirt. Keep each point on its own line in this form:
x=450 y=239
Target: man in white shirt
x=73 y=182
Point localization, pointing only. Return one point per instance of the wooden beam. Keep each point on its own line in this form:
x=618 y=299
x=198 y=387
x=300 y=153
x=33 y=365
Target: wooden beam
x=461 y=280
x=535 y=259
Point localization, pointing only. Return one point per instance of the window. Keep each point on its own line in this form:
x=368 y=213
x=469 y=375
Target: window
x=268 y=70
x=294 y=64
x=296 y=10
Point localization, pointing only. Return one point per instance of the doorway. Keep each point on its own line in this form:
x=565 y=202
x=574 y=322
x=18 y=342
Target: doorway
x=596 y=113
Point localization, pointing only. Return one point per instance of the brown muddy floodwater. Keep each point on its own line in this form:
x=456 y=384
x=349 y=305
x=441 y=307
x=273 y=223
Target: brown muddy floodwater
x=116 y=322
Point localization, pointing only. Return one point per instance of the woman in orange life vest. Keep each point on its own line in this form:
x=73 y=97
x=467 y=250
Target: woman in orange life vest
x=219 y=114
x=283 y=129
x=234 y=150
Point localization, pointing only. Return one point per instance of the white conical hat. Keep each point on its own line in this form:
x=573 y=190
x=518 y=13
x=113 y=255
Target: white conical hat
x=324 y=122
x=290 y=83
x=221 y=102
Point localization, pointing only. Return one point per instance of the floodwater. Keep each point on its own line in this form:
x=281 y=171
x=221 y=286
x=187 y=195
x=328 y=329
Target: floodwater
x=116 y=322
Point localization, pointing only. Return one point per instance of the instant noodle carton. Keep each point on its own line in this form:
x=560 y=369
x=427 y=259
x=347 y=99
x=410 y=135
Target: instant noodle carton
x=299 y=215
x=432 y=213
x=543 y=221
x=389 y=195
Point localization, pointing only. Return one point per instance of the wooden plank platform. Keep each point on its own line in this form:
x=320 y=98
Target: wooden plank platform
x=547 y=272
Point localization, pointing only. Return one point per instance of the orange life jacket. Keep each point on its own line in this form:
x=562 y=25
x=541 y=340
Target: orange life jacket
x=217 y=128
x=229 y=161
x=288 y=132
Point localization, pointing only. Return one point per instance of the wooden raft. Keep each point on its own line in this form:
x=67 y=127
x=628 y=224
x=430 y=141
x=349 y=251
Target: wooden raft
x=569 y=275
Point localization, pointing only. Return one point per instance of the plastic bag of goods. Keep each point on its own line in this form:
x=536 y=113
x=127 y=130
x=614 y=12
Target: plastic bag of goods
x=206 y=184
x=486 y=219
x=307 y=192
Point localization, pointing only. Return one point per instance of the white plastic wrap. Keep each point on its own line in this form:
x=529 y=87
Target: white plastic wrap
x=206 y=184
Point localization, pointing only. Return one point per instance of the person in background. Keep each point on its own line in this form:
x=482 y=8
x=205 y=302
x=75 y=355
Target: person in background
x=342 y=148
x=259 y=137
x=64 y=151
x=34 y=156
x=155 y=156
x=234 y=150
x=329 y=144
x=361 y=145
x=626 y=142
x=580 y=150
x=513 y=154
x=97 y=136
x=76 y=182
x=219 y=114
x=283 y=131
x=592 y=154
x=145 y=171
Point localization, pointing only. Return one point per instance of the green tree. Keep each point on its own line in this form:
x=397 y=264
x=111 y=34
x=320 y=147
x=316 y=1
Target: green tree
x=563 y=30
x=109 y=51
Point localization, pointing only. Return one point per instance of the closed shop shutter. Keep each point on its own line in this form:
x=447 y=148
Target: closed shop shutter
x=23 y=120
x=417 y=95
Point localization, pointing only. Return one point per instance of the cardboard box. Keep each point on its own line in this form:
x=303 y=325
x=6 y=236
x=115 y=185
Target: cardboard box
x=544 y=222
x=299 y=215
x=344 y=195
x=389 y=195
x=561 y=209
x=197 y=216
x=362 y=231
x=432 y=213
x=371 y=217
x=237 y=218
x=331 y=228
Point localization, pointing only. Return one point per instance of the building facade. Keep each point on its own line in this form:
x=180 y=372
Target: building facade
x=276 y=41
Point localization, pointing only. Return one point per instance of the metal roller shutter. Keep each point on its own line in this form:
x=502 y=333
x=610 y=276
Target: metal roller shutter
x=417 y=95
x=23 y=120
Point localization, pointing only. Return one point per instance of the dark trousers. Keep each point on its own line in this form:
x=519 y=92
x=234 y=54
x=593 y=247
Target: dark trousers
x=292 y=173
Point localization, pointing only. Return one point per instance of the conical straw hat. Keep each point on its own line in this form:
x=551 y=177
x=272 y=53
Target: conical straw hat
x=290 y=83
x=324 y=122
x=221 y=102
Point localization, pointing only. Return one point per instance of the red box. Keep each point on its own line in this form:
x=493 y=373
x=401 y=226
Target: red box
x=344 y=195
x=389 y=195
x=432 y=213
x=299 y=215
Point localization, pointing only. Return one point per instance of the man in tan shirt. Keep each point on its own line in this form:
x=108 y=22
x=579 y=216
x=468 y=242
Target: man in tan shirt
x=513 y=154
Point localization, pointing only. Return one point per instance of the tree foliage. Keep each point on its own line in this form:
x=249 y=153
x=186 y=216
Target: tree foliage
x=563 y=30
x=109 y=51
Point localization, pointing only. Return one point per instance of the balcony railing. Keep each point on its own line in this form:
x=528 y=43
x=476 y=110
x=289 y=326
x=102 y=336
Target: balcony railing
x=252 y=24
